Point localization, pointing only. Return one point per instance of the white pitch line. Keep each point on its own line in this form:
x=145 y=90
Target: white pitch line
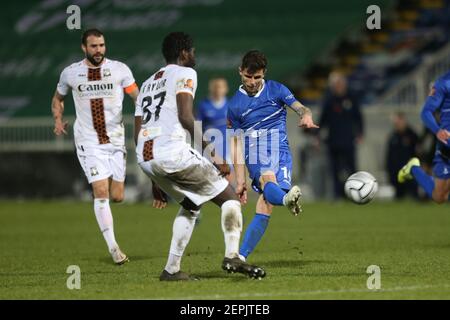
x=296 y=293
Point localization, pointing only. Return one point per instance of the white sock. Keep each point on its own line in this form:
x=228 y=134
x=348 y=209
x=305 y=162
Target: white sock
x=181 y=234
x=173 y=263
x=231 y=227
x=105 y=222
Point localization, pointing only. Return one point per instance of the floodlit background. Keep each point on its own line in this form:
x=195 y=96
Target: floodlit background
x=388 y=70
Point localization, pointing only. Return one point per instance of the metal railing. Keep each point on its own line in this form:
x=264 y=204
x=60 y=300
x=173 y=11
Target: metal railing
x=413 y=89
x=36 y=134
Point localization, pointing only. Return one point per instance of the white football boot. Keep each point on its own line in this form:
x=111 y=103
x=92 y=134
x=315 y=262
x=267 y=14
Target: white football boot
x=118 y=256
x=292 y=200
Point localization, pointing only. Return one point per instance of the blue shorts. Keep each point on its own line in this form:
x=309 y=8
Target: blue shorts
x=282 y=166
x=441 y=167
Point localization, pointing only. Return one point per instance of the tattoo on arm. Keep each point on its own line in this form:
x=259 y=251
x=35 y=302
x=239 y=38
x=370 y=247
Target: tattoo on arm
x=137 y=128
x=57 y=106
x=300 y=109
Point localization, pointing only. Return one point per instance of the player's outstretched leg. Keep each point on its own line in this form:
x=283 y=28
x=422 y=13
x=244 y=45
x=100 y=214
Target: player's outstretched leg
x=183 y=226
x=412 y=170
x=438 y=188
x=292 y=200
x=405 y=172
x=278 y=197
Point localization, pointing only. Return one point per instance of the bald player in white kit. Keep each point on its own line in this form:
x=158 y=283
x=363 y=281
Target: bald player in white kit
x=98 y=86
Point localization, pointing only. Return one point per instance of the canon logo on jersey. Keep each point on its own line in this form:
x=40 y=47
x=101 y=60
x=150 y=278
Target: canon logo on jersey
x=95 y=87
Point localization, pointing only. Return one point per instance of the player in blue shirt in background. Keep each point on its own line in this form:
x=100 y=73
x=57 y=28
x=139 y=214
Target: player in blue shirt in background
x=438 y=188
x=258 y=111
x=212 y=112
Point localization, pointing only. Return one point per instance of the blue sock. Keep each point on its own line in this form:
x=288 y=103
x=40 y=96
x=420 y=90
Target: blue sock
x=254 y=233
x=273 y=194
x=424 y=180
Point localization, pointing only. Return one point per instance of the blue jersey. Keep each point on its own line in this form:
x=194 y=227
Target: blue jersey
x=262 y=118
x=439 y=100
x=259 y=114
x=214 y=117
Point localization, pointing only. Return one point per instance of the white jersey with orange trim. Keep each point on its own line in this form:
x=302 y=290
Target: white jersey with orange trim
x=98 y=95
x=157 y=105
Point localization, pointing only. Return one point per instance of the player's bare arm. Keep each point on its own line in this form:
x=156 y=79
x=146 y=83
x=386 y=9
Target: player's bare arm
x=58 y=110
x=185 y=105
x=239 y=168
x=137 y=128
x=133 y=93
x=305 y=114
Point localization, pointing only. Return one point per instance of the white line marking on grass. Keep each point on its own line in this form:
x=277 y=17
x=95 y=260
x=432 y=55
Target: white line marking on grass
x=301 y=292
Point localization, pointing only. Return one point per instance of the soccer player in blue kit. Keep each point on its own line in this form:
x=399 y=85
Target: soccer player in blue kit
x=437 y=188
x=257 y=114
x=212 y=112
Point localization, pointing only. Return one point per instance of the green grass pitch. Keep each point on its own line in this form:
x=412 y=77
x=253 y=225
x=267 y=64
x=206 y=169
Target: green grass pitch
x=323 y=254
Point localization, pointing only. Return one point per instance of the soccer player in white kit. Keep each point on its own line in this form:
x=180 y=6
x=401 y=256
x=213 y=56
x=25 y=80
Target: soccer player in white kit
x=98 y=85
x=163 y=115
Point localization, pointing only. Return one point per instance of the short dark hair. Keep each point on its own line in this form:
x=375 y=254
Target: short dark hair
x=253 y=61
x=174 y=43
x=90 y=32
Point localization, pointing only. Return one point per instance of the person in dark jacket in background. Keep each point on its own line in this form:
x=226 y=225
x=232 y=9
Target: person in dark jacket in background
x=342 y=117
x=401 y=146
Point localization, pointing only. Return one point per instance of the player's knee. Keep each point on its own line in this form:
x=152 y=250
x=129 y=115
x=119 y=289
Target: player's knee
x=440 y=199
x=268 y=176
x=190 y=214
x=439 y=196
x=118 y=197
x=101 y=191
x=231 y=216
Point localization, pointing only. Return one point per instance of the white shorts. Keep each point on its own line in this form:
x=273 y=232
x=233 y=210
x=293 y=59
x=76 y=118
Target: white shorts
x=186 y=175
x=102 y=162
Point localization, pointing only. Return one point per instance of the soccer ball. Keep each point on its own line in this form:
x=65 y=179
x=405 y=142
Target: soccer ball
x=361 y=187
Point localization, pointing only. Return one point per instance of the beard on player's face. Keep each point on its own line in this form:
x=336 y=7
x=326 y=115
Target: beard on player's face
x=96 y=59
